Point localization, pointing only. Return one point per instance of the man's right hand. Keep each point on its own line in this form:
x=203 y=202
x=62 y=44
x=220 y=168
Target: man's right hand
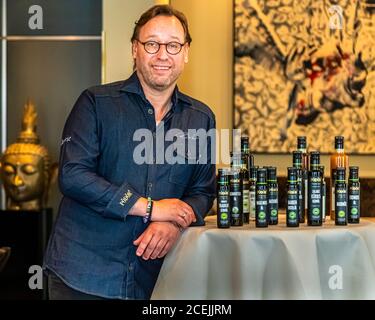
x=173 y=210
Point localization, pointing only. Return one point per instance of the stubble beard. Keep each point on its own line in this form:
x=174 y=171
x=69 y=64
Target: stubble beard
x=158 y=83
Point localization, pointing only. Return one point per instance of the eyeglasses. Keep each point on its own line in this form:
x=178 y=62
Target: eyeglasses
x=153 y=47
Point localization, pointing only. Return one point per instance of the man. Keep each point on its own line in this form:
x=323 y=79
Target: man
x=118 y=217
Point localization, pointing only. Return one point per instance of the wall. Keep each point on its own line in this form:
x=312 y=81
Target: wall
x=208 y=76
x=119 y=17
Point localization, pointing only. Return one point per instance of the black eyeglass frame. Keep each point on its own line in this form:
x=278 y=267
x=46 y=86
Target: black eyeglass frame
x=162 y=44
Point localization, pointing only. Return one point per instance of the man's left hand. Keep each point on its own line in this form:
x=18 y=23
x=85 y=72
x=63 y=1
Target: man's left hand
x=156 y=240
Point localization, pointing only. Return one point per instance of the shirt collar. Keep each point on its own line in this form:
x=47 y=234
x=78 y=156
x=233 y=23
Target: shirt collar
x=133 y=85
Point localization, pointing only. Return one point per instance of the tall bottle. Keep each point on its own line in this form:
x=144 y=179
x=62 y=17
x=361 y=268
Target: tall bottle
x=273 y=196
x=238 y=162
x=245 y=193
x=341 y=198
x=302 y=146
x=235 y=197
x=337 y=160
x=354 y=197
x=223 y=213
x=314 y=216
x=292 y=205
x=245 y=150
x=301 y=182
x=324 y=195
x=252 y=192
x=261 y=199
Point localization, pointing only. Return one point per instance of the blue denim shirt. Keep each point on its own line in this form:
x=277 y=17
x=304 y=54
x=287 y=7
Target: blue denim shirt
x=91 y=246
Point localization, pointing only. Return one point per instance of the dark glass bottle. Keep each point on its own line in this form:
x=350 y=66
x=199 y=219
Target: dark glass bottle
x=337 y=160
x=292 y=218
x=302 y=183
x=235 y=197
x=354 y=197
x=245 y=193
x=324 y=194
x=261 y=199
x=314 y=216
x=341 y=198
x=268 y=212
x=252 y=192
x=273 y=196
x=223 y=210
x=302 y=146
x=238 y=162
x=245 y=150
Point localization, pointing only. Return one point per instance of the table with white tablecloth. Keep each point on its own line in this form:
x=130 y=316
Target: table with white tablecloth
x=327 y=262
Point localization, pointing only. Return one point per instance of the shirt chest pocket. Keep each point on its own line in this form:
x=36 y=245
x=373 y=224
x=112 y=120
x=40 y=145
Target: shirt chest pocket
x=181 y=169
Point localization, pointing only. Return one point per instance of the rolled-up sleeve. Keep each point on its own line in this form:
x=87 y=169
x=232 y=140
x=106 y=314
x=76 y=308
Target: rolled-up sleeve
x=78 y=177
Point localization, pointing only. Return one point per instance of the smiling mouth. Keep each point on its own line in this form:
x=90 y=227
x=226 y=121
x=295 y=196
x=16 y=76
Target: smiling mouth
x=162 y=68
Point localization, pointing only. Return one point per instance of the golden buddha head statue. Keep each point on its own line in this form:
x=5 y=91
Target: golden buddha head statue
x=25 y=168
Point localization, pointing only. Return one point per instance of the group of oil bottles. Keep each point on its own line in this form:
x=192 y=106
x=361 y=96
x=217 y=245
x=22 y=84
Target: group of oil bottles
x=246 y=192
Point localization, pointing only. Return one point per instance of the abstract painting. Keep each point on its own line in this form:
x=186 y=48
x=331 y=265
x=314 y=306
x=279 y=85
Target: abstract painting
x=305 y=67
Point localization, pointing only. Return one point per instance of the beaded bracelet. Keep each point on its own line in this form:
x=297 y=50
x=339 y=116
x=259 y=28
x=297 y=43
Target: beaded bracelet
x=147 y=217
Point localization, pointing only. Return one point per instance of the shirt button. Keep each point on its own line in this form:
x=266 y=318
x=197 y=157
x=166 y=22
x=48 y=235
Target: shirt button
x=150 y=111
x=150 y=185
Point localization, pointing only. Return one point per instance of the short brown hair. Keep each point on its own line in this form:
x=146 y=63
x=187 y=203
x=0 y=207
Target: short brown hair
x=161 y=10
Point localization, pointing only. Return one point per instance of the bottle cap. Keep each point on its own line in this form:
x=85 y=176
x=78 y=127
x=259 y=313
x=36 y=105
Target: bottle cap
x=339 y=142
x=354 y=173
x=340 y=174
x=271 y=174
x=314 y=160
x=301 y=143
x=261 y=175
x=297 y=159
x=292 y=174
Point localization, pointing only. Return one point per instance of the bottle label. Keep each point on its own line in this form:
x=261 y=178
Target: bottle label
x=261 y=207
x=333 y=182
x=273 y=204
x=292 y=208
x=306 y=190
x=252 y=202
x=301 y=203
x=354 y=209
x=341 y=209
x=246 y=197
x=324 y=194
x=223 y=208
x=236 y=204
x=315 y=201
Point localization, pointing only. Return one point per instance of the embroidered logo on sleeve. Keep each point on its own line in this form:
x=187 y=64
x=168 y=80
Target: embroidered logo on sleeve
x=126 y=197
x=67 y=139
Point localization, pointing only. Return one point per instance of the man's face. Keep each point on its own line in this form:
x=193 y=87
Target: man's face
x=23 y=176
x=160 y=70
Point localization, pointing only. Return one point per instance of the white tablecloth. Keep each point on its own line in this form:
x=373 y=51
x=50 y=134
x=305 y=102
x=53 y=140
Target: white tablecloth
x=328 y=262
